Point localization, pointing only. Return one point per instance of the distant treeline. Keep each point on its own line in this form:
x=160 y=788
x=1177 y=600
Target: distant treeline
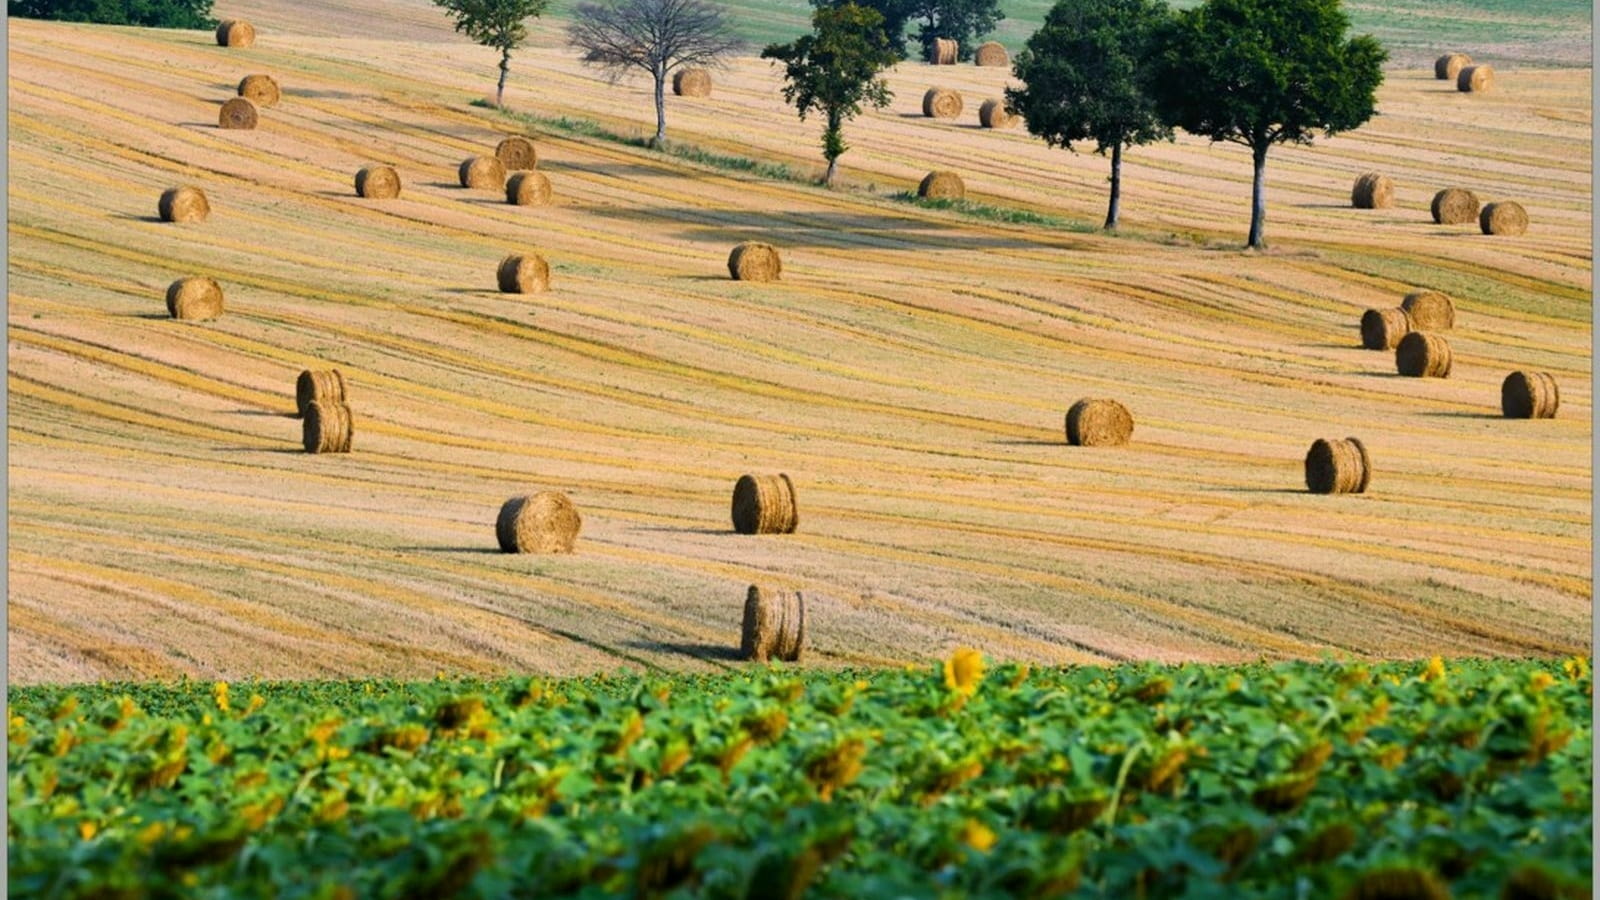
x=150 y=13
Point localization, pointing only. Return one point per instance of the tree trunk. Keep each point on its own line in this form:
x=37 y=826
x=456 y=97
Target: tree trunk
x=1258 y=198
x=833 y=145
x=661 y=107
x=505 y=68
x=1116 y=185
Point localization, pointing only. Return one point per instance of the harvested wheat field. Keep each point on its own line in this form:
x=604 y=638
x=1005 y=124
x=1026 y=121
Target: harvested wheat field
x=908 y=373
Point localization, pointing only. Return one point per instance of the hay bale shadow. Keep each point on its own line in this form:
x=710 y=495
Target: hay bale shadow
x=475 y=548
x=707 y=652
x=130 y=217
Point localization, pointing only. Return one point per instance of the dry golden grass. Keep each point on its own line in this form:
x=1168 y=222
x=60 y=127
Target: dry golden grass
x=909 y=371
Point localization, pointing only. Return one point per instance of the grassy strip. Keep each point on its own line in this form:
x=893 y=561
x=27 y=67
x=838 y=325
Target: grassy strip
x=780 y=172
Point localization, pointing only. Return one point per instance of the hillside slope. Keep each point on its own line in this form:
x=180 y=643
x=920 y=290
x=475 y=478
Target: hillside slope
x=910 y=374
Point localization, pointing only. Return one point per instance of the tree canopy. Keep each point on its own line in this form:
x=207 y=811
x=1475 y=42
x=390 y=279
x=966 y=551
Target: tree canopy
x=836 y=69
x=963 y=21
x=146 y=13
x=654 y=36
x=1264 y=72
x=1084 y=75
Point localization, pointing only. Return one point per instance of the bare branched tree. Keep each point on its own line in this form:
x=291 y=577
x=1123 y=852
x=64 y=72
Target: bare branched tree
x=657 y=36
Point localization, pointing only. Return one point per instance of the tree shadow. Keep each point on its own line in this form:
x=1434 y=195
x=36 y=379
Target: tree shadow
x=832 y=229
x=707 y=652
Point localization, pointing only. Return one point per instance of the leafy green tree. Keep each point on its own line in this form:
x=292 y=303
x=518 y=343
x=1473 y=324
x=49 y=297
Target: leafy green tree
x=1264 y=72
x=146 y=13
x=836 y=69
x=1083 y=79
x=963 y=21
x=501 y=24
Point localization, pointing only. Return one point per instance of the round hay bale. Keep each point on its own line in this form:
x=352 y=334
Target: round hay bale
x=1448 y=66
x=1475 y=79
x=1429 y=311
x=517 y=152
x=1455 y=206
x=941 y=103
x=755 y=261
x=1338 y=467
x=1529 y=395
x=991 y=53
x=545 y=522
x=692 y=83
x=1504 y=217
x=1372 y=191
x=774 y=625
x=1421 y=354
x=945 y=52
x=1098 y=423
x=528 y=189
x=318 y=386
x=486 y=173
x=194 y=299
x=994 y=114
x=523 y=274
x=942 y=185
x=183 y=204
x=237 y=113
x=1382 y=329
x=765 y=504
x=327 y=428
x=262 y=90
x=378 y=183
x=235 y=33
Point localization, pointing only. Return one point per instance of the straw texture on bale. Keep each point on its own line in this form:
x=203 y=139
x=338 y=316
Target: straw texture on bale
x=545 y=522
x=318 y=386
x=765 y=504
x=991 y=53
x=1448 y=66
x=327 y=428
x=378 y=183
x=755 y=261
x=1382 y=329
x=183 y=204
x=774 y=625
x=237 y=113
x=1475 y=79
x=528 y=189
x=1421 y=354
x=1504 y=217
x=483 y=173
x=262 y=90
x=194 y=298
x=235 y=33
x=1455 y=206
x=1429 y=311
x=523 y=274
x=1373 y=191
x=1529 y=395
x=1338 y=467
x=692 y=83
x=941 y=103
x=1098 y=423
x=945 y=52
x=942 y=185
x=993 y=114
x=517 y=152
